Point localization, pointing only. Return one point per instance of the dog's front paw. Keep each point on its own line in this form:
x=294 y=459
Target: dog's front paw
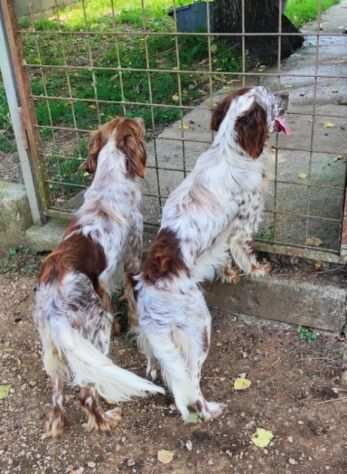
x=230 y=274
x=261 y=269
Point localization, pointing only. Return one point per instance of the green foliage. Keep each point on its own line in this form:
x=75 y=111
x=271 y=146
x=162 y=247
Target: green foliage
x=307 y=334
x=126 y=50
x=7 y=143
x=302 y=11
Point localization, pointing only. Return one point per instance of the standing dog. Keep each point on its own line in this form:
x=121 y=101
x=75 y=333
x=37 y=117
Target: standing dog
x=73 y=299
x=215 y=211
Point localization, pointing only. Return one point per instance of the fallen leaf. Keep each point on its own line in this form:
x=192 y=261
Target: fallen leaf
x=4 y=391
x=302 y=175
x=184 y=125
x=192 y=418
x=241 y=383
x=262 y=438
x=165 y=456
x=313 y=241
x=329 y=125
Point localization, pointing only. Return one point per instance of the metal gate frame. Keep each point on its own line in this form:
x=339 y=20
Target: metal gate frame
x=21 y=102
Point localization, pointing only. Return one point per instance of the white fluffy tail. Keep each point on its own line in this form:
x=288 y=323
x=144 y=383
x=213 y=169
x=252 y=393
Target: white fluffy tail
x=90 y=366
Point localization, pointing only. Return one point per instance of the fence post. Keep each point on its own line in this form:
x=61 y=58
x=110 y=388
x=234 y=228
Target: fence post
x=22 y=111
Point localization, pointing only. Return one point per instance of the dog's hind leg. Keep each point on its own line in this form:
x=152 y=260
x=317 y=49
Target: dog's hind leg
x=97 y=419
x=174 y=370
x=56 y=418
x=198 y=337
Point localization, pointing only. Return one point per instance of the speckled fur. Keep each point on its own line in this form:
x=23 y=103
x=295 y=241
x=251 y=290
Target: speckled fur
x=212 y=214
x=72 y=312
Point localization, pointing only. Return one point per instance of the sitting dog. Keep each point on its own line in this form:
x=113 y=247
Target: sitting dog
x=215 y=211
x=73 y=298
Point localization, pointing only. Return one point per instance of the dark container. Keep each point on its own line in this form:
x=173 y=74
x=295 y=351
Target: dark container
x=193 y=18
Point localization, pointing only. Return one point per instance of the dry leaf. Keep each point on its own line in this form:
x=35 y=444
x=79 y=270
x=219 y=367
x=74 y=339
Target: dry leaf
x=262 y=438
x=313 y=241
x=302 y=175
x=184 y=125
x=165 y=456
x=4 y=391
x=329 y=125
x=241 y=383
x=192 y=418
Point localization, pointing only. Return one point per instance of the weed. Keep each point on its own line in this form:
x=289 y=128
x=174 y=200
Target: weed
x=20 y=260
x=307 y=334
x=7 y=144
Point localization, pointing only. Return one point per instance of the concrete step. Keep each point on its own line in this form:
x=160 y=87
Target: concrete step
x=15 y=215
x=46 y=237
x=295 y=299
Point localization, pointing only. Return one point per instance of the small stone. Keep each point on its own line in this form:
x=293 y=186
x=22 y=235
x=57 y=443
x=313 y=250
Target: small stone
x=131 y=462
x=91 y=464
x=290 y=439
x=292 y=461
x=189 y=445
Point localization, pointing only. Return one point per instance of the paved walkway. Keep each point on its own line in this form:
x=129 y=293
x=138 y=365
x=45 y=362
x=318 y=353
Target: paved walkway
x=298 y=167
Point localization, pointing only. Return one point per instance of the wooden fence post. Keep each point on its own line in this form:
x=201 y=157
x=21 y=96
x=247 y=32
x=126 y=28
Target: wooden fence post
x=21 y=93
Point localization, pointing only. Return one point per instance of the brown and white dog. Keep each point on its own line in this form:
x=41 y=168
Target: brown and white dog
x=73 y=298
x=213 y=213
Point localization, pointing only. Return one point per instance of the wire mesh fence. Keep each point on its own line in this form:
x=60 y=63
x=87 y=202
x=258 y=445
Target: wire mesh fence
x=9 y=163
x=92 y=60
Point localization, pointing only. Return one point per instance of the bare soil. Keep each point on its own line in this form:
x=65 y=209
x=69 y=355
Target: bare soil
x=296 y=393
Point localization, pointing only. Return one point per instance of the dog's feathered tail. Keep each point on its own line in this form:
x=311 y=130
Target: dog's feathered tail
x=89 y=366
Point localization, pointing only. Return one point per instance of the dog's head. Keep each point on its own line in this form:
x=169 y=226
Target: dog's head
x=249 y=115
x=128 y=136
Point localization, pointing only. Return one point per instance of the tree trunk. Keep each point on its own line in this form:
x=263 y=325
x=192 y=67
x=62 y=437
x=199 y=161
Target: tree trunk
x=261 y=16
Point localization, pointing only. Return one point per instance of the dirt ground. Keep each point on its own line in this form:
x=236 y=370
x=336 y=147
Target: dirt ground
x=296 y=393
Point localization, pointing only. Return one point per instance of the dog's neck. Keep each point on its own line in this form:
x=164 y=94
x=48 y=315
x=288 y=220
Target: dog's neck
x=111 y=192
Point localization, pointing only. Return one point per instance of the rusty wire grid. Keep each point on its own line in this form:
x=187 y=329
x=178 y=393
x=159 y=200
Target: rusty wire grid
x=304 y=212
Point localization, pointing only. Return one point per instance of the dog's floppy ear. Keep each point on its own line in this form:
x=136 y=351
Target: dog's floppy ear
x=221 y=109
x=94 y=147
x=130 y=139
x=252 y=130
x=219 y=112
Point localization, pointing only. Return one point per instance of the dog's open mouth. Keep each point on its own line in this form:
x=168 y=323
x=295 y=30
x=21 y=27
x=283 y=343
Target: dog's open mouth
x=282 y=126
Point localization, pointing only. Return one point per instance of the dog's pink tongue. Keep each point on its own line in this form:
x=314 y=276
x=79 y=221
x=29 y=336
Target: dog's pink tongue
x=283 y=125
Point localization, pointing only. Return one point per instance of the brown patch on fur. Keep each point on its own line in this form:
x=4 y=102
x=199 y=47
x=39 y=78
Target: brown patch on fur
x=129 y=136
x=96 y=418
x=76 y=253
x=252 y=131
x=164 y=258
x=130 y=139
x=205 y=341
x=221 y=109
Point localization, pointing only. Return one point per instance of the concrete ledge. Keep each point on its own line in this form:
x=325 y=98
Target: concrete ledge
x=46 y=237
x=293 y=300
x=15 y=215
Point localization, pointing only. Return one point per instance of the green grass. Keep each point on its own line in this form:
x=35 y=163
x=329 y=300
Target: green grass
x=7 y=144
x=302 y=11
x=161 y=87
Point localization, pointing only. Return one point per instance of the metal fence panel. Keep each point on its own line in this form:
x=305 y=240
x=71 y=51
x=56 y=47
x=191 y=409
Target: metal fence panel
x=87 y=66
